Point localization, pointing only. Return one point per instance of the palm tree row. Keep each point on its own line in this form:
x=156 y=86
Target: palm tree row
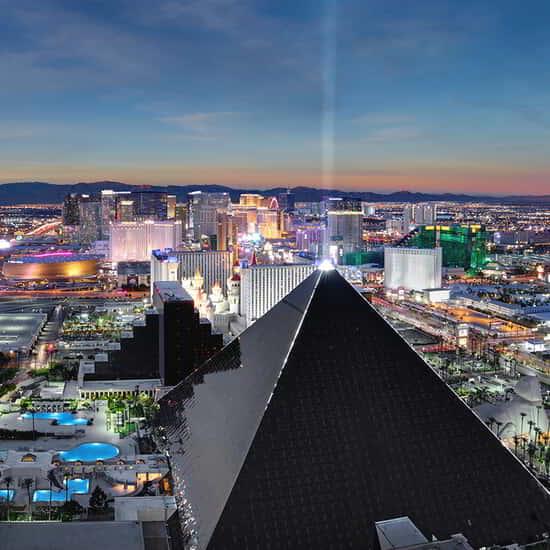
x=526 y=446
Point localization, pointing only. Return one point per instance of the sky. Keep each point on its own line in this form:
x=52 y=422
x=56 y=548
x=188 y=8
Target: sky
x=385 y=95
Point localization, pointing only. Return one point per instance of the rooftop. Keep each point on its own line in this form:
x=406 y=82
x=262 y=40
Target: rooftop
x=17 y=331
x=53 y=257
x=134 y=268
x=113 y=385
x=171 y=291
x=169 y=254
x=87 y=535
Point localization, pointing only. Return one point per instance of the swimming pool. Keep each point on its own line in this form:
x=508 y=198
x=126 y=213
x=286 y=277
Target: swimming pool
x=74 y=487
x=7 y=494
x=89 y=452
x=63 y=418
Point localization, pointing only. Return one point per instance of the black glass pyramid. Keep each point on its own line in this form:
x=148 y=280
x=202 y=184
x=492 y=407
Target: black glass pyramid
x=319 y=421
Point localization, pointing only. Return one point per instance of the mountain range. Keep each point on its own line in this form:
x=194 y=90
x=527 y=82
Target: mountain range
x=35 y=192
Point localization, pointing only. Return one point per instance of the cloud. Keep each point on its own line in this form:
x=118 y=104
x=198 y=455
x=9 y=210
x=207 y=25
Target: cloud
x=201 y=126
x=393 y=134
x=11 y=130
x=220 y=15
x=180 y=47
x=392 y=38
x=387 y=127
x=532 y=114
x=241 y=38
x=8 y=133
x=383 y=119
x=62 y=48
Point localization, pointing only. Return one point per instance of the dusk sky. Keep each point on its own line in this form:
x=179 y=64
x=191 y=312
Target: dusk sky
x=424 y=96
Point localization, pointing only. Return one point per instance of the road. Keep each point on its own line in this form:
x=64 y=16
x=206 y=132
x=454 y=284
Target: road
x=58 y=294
x=49 y=227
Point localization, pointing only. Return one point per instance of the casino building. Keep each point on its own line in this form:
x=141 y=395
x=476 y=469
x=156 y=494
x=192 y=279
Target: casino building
x=54 y=266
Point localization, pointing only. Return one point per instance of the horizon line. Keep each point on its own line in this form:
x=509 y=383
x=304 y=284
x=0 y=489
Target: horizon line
x=260 y=188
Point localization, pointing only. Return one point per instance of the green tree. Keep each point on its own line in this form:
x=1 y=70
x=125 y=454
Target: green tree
x=98 y=500
x=25 y=404
x=70 y=509
x=27 y=484
x=8 y=481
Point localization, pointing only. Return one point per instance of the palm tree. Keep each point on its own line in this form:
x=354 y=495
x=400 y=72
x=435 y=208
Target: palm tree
x=8 y=481
x=27 y=484
x=537 y=437
x=530 y=424
x=516 y=443
x=499 y=424
x=523 y=415
x=547 y=461
x=531 y=450
x=544 y=446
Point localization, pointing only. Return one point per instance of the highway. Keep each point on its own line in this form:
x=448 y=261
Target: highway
x=55 y=293
x=44 y=229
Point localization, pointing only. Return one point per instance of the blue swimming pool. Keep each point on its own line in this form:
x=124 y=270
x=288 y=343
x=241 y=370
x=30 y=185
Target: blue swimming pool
x=89 y=452
x=6 y=494
x=74 y=487
x=63 y=418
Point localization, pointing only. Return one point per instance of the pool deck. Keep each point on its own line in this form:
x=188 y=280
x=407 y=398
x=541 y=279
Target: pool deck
x=97 y=432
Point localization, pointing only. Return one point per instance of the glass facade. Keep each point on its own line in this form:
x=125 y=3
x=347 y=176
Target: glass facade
x=208 y=421
x=463 y=245
x=150 y=205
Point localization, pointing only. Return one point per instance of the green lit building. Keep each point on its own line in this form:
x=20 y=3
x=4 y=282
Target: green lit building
x=362 y=257
x=462 y=245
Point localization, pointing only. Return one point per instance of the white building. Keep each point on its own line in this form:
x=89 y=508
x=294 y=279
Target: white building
x=164 y=267
x=263 y=286
x=436 y=295
x=397 y=226
x=412 y=268
x=176 y=265
x=134 y=241
x=419 y=214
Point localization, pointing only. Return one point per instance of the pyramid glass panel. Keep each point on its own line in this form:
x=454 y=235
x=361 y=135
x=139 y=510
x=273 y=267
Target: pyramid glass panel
x=351 y=428
x=209 y=420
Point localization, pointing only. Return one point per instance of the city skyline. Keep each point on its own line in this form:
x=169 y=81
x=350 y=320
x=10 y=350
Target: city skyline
x=442 y=96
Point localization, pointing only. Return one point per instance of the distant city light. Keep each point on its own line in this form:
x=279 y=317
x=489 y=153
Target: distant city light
x=326 y=265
